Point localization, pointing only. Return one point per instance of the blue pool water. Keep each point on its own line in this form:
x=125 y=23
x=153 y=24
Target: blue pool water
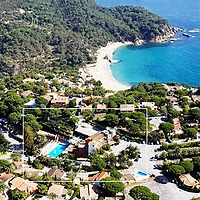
x=31 y=103
x=57 y=150
x=173 y=62
x=139 y=173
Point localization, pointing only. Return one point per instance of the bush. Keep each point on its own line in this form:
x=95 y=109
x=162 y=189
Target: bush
x=188 y=166
x=176 y=170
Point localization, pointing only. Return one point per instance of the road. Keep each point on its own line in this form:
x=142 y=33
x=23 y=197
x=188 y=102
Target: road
x=161 y=186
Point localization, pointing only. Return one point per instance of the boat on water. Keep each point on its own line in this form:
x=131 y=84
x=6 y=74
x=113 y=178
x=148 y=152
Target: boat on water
x=175 y=39
x=186 y=35
x=196 y=30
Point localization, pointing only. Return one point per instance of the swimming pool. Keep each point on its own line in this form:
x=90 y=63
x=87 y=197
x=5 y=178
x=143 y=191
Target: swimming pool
x=140 y=176
x=139 y=173
x=58 y=150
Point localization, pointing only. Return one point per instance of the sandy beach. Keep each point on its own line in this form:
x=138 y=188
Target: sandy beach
x=101 y=69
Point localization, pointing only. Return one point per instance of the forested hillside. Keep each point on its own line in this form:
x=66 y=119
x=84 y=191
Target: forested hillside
x=62 y=33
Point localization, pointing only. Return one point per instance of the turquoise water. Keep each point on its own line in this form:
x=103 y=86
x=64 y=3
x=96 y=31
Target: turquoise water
x=142 y=174
x=57 y=150
x=31 y=103
x=173 y=62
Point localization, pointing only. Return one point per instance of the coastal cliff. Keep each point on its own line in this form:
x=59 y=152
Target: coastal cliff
x=167 y=34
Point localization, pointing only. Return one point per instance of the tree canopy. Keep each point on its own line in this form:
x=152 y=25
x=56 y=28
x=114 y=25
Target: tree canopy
x=45 y=34
x=143 y=193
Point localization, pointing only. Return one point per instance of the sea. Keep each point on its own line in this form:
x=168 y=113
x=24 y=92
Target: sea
x=177 y=61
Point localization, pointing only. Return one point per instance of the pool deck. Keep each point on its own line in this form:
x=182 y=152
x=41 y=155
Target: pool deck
x=48 y=148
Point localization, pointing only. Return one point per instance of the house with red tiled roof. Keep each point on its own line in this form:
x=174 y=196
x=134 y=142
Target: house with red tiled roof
x=99 y=176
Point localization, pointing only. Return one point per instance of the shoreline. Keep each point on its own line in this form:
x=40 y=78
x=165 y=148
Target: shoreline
x=101 y=69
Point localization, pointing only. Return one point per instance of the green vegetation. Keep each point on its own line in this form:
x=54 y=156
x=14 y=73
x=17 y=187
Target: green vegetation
x=176 y=170
x=18 y=195
x=182 y=145
x=111 y=186
x=6 y=166
x=142 y=192
x=3 y=144
x=2 y=186
x=45 y=34
x=102 y=160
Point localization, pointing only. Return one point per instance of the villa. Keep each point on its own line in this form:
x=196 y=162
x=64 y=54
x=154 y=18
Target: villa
x=59 y=191
x=23 y=185
x=131 y=175
x=96 y=141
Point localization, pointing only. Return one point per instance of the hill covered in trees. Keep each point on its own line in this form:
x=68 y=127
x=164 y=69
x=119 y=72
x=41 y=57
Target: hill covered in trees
x=61 y=33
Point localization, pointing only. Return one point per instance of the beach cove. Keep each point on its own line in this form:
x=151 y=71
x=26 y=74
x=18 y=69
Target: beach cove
x=172 y=62
x=101 y=69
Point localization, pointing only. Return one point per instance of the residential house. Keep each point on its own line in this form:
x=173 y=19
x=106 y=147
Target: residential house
x=96 y=141
x=6 y=177
x=99 y=176
x=23 y=185
x=56 y=173
x=87 y=192
x=60 y=102
x=177 y=126
x=127 y=107
x=91 y=143
x=59 y=191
